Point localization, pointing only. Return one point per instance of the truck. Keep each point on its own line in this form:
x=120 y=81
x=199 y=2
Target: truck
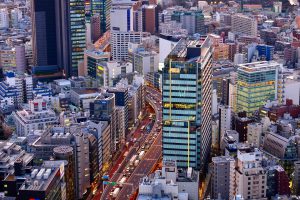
x=122 y=181
x=141 y=154
x=116 y=192
x=133 y=158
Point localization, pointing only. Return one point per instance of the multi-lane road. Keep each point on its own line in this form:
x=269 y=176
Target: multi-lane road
x=148 y=162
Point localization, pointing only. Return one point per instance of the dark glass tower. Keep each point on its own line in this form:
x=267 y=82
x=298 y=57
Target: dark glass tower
x=44 y=37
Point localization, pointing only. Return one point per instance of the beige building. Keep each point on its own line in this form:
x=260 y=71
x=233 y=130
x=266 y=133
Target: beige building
x=251 y=177
x=254 y=134
x=242 y=24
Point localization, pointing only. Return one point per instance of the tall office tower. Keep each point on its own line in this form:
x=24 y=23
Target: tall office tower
x=120 y=40
x=102 y=8
x=251 y=177
x=223 y=177
x=44 y=33
x=66 y=153
x=71 y=22
x=187 y=103
x=242 y=24
x=59 y=33
x=121 y=18
x=257 y=83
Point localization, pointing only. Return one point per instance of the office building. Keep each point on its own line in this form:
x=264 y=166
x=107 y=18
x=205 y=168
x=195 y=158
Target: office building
x=92 y=69
x=24 y=85
x=102 y=8
x=44 y=33
x=59 y=34
x=191 y=20
x=95 y=28
x=144 y=61
x=120 y=40
x=265 y=52
x=103 y=109
x=223 y=177
x=13 y=59
x=37 y=117
x=251 y=177
x=170 y=183
x=257 y=83
x=122 y=100
x=121 y=18
x=187 y=120
x=242 y=24
x=4 y=18
x=150 y=18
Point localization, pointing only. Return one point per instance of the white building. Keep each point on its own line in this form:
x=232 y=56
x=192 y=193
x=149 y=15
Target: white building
x=254 y=134
x=24 y=86
x=37 y=117
x=120 y=40
x=251 y=177
x=170 y=183
x=225 y=114
x=242 y=24
x=145 y=62
x=121 y=18
x=4 y=18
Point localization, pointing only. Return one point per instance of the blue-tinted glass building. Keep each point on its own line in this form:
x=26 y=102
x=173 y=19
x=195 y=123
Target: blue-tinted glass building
x=187 y=98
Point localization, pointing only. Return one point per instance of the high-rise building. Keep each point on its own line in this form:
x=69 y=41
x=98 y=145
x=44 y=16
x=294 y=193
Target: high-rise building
x=223 y=177
x=59 y=34
x=102 y=8
x=242 y=24
x=44 y=33
x=257 y=83
x=71 y=22
x=187 y=108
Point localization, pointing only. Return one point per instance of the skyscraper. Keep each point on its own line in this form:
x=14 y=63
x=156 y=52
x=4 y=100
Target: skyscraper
x=59 y=33
x=44 y=33
x=187 y=97
x=102 y=7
